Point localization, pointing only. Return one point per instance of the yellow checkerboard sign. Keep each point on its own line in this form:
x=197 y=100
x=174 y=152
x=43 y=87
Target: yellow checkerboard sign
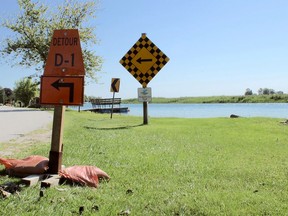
x=144 y=60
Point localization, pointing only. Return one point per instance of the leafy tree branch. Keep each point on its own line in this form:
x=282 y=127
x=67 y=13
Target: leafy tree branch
x=33 y=28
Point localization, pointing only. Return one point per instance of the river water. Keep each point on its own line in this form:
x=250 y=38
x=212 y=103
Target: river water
x=275 y=110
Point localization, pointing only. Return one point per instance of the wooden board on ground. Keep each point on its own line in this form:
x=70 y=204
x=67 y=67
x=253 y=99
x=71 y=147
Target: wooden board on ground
x=53 y=180
x=32 y=179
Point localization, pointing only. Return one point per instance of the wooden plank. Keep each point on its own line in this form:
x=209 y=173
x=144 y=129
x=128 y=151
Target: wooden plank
x=32 y=180
x=106 y=101
x=53 y=180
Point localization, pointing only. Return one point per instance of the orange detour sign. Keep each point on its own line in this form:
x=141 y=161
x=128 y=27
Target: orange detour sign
x=62 y=90
x=65 y=55
x=62 y=84
x=63 y=79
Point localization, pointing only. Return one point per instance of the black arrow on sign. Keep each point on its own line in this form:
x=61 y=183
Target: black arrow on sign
x=59 y=84
x=113 y=85
x=140 y=60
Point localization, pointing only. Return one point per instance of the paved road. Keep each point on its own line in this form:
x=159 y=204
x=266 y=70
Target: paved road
x=15 y=122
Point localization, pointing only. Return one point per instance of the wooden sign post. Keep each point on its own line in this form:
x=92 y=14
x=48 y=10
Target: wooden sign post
x=55 y=155
x=62 y=84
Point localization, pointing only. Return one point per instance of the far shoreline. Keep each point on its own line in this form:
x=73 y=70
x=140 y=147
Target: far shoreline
x=273 y=98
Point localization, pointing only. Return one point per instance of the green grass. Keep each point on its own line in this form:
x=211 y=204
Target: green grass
x=216 y=166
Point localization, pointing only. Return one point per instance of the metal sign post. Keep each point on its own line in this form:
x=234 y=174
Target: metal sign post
x=112 y=105
x=145 y=113
x=145 y=96
x=115 y=84
x=143 y=61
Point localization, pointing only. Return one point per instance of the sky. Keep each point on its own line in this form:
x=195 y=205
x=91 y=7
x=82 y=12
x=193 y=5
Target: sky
x=216 y=47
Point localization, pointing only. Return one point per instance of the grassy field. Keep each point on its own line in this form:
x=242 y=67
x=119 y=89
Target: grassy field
x=217 y=166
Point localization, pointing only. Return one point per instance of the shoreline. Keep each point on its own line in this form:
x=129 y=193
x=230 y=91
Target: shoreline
x=273 y=98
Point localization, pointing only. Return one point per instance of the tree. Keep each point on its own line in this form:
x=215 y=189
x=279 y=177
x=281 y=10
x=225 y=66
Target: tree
x=266 y=91
x=34 y=28
x=271 y=91
x=248 y=91
x=6 y=95
x=25 y=90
